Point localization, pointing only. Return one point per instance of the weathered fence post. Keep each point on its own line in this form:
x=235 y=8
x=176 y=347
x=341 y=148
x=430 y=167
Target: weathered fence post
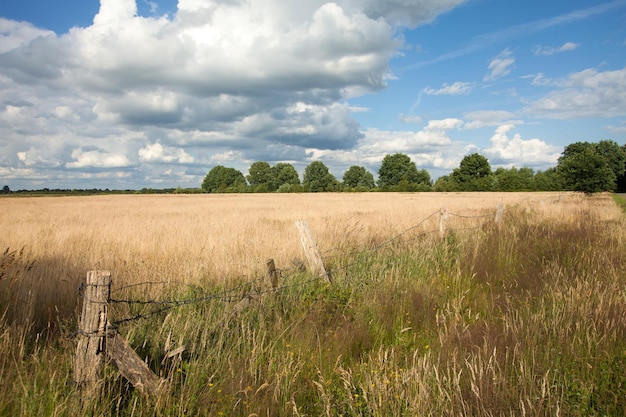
x=92 y=332
x=95 y=340
x=443 y=218
x=499 y=213
x=271 y=273
x=131 y=366
x=310 y=250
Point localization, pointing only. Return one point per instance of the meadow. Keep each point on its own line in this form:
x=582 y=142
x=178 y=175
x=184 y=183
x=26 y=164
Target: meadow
x=521 y=317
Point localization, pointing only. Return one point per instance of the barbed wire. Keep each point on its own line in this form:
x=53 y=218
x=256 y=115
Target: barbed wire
x=236 y=294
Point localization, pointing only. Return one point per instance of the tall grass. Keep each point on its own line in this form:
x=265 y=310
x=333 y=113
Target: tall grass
x=521 y=318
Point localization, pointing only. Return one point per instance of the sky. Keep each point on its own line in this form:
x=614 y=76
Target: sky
x=126 y=94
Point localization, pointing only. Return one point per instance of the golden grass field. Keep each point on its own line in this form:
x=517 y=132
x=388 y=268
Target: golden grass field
x=523 y=318
x=221 y=238
x=192 y=238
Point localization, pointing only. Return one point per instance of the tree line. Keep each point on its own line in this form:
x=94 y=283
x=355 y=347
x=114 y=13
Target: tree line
x=587 y=167
x=583 y=166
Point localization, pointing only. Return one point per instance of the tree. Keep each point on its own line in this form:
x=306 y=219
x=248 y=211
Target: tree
x=260 y=176
x=587 y=171
x=614 y=154
x=5 y=190
x=549 y=180
x=223 y=180
x=318 y=178
x=360 y=177
x=621 y=179
x=284 y=175
x=474 y=173
x=579 y=177
x=398 y=172
x=514 y=179
x=446 y=183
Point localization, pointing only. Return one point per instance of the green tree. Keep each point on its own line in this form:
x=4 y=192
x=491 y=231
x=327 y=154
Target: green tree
x=578 y=177
x=318 y=178
x=446 y=183
x=514 y=179
x=474 y=173
x=621 y=179
x=358 y=177
x=586 y=171
x=223 y=180
x=549 y=180
x=398 y=172
x=614 y=154
x=260 y=176
x=5 y=190
x=284 y=176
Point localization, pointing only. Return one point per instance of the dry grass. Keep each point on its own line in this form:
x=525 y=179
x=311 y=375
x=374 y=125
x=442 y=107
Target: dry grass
x=199 y=237
x=521 y=319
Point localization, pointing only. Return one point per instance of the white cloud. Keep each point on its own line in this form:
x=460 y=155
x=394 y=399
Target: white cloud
x=549 y=50
x=541 y=80
x=500 y=66
x=588 y=93
x=515 y=151
x=484 y=118
x=86 y=159
x=158 y=154
x=15 y=34
x=433 y=135
x=410 y=119
x=457 y=88
x=403 y=12
x=616 y=130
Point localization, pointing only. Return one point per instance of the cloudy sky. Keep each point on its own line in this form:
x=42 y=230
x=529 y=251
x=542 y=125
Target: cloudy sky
x=137 y=93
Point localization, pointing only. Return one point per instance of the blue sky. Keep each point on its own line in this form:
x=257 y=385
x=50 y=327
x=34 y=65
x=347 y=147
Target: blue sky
x=130 y=94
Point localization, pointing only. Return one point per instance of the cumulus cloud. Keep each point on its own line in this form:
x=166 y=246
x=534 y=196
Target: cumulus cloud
x=433 y=136
x=157 y=153
x=404 y=12
x=515 y=151
x=15 y=34
x=588 y=93
x=213 y=80
x=455 y=89
x=96 y=158
x=500 y=66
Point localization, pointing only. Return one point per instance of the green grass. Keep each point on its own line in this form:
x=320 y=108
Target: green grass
x=620 y=200
x=526 y=319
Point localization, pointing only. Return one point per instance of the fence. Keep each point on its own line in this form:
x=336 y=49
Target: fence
x=98 y=337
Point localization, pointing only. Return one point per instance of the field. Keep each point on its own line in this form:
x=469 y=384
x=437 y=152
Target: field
x=520 y=317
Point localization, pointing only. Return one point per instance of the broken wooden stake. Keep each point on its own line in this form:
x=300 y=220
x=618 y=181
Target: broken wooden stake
x=316 y=264
x=131 y=366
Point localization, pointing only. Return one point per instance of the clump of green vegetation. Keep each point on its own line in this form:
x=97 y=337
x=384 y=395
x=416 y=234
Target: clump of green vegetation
x=620 y=200
x=521 y=318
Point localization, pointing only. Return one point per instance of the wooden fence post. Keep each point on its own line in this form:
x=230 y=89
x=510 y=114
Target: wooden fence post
x=443 y=218
x=499 y=213
x=310 y=250
x=131 y=366
x=272 y=273
x=92 y=332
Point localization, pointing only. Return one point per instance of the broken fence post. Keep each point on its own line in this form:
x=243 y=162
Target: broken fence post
x=272 y=273
x=316 y=264
x=131 y=366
